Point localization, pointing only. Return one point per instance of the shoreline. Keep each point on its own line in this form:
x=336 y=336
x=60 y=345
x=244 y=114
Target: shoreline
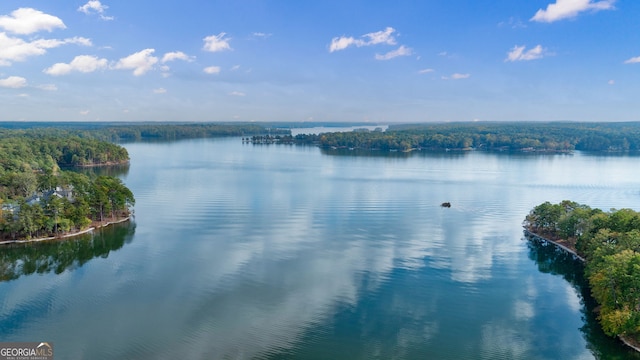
x=93 y=165
x=628 y=342
x=563 y=247
x=66 y=236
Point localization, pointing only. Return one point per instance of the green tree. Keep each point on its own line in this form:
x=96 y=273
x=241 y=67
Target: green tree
x=25 y=183
x=30 y=219
x=616 y=286
x=575 y=220
x=99 y=198
x=544 y=217
x=54 y=208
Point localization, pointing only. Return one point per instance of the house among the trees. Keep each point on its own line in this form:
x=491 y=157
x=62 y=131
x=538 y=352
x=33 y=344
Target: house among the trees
x=60 y=192
x=10 y=208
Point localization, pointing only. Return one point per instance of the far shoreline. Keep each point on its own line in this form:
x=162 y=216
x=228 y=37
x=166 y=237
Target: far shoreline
x=68 y=235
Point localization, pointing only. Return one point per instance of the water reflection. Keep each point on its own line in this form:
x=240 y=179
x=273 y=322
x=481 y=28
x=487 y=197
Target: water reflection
x=120 y=170
x=289 y=251
x=553 y=260
x=60 y=255
x=393 y=154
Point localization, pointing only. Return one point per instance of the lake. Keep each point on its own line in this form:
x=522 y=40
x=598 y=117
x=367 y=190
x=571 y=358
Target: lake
x=241 y=251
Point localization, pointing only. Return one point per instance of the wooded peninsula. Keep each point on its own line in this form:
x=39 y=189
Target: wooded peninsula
x=609 y=243
x=40 y=199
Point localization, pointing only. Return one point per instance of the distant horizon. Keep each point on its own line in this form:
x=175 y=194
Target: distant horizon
x=410 y=62
x=309 y=123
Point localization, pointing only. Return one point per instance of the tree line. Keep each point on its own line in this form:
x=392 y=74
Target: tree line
x=118 y=133
x=114 y=132
x=610 y=244
x=527 y=136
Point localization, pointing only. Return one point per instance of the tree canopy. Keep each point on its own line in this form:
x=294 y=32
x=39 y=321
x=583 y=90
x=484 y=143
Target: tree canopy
x=118 y=132
x=47 y=151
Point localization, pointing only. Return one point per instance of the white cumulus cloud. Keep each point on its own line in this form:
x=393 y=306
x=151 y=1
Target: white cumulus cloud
x=425 y=71
x=343 y=42
x=212 y=70
x=26 y=21
x=95 y=7
x=563 y=9
x=176 y=55
x=14 y=82
x=237 y=93
x=139 y=62
x=15 y=49
x=159 y=91
x=401 y=51
x=215 y=43
x=81 y=63
x=379 y=37
x=633 y=60
x=518 y=53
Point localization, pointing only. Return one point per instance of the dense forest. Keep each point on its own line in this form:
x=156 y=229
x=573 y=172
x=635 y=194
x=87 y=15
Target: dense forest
x=39 y=199
x=116 y=132
x=45 y=149
x=610 y=244
x=521 y=136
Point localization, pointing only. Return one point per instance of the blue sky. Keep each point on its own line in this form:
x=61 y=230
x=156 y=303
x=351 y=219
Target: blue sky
x=376 y=61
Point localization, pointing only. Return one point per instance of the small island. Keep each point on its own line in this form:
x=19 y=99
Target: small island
x=609 y=245
x=40 y=201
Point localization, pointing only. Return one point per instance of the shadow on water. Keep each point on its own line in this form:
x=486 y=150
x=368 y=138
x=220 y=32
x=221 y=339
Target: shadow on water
x=111 y=170
x=394 y=154
x=59 y=255
x=552 y=260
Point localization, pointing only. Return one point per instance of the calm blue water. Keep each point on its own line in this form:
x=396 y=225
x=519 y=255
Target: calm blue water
x=280 y=252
